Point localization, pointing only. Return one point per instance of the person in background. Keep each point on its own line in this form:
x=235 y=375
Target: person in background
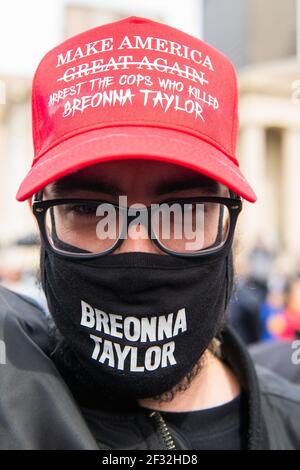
x=244 y=310
x=273 y=305
x=286 y=324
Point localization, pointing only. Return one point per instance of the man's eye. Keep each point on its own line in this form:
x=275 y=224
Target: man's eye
x=82 y=210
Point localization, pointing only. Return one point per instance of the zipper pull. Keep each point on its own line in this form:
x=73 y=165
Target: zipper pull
x=163 y=430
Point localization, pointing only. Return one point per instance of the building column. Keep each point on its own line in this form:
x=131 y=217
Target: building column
x=291 y=192
x=252 y=153
x=16 y=154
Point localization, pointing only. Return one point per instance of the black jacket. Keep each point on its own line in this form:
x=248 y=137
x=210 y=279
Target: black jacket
x=276 y=356
x=39 y=411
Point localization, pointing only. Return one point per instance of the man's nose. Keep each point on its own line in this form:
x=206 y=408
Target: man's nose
x=138 y=241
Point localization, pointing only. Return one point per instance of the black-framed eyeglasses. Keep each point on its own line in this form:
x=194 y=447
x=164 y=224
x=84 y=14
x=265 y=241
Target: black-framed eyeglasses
x=187 y=227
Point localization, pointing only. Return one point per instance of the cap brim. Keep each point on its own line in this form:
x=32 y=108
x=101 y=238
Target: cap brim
x=165 y=145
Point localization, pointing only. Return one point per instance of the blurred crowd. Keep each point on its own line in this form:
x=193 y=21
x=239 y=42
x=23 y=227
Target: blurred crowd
x=19 y=268
x=265 y=305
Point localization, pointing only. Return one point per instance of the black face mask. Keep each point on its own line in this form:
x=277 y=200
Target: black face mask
x=137 y=323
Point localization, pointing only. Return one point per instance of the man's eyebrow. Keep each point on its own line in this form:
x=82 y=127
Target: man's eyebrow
x=200 y=182
x=65 y=186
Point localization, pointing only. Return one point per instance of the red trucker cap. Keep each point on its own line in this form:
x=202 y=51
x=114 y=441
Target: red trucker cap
x=134 y=89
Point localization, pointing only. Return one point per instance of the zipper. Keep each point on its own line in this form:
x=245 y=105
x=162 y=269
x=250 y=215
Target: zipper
x=163 y=430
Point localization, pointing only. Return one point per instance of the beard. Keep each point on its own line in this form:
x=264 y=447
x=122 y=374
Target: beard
x=89 y=393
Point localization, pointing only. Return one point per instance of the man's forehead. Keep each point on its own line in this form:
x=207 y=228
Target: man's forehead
x=123 y=176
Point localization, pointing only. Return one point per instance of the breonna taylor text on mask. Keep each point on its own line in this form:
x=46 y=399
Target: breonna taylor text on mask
x=130 y=329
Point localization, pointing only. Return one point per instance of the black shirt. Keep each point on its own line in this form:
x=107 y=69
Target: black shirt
x=221 y=427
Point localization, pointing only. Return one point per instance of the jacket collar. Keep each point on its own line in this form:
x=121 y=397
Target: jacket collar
x=235 y=353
